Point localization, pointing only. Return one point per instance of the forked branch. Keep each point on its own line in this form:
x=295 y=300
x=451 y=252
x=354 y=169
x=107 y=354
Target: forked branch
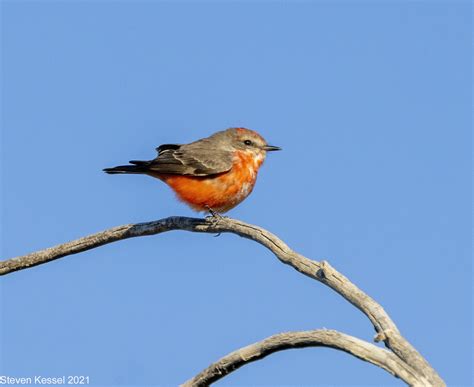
x=320 y=271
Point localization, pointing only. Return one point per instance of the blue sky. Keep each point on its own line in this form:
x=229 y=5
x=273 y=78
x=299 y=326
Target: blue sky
x=371 y=103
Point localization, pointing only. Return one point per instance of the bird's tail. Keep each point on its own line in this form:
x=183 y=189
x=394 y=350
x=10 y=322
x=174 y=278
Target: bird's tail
x=137 y=167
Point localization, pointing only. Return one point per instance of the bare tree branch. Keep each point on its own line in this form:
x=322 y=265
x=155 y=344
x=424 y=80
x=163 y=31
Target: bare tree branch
x=320 y=271
x=316 y=338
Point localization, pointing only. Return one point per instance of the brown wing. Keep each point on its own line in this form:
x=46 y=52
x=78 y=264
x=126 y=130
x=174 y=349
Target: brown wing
x=195 y=159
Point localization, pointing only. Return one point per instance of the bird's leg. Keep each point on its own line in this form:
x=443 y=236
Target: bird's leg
x=214 y=217
x=214 y=214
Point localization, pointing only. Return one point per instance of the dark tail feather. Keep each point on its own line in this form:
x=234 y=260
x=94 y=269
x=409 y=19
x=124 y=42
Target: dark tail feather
x=138 y=167
x=139 y=162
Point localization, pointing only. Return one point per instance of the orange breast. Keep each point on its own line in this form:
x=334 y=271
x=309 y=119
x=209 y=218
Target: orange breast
x=220 y=192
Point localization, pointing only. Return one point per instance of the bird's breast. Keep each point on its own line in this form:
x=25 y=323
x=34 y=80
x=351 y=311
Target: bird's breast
x=220 y=192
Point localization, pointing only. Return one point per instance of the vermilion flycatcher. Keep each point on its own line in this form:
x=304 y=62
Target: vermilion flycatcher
x=212 y=174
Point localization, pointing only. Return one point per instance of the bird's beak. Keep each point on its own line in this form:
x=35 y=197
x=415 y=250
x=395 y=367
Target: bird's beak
x=270 y=148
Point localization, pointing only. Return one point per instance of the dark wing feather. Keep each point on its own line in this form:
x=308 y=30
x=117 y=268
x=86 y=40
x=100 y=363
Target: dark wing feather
x=191 y=159
x=164 y=147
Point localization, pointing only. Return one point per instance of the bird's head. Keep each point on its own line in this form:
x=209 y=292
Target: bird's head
x=249 y=142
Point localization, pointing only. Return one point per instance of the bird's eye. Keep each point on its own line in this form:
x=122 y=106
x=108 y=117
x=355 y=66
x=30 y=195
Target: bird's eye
x=248 y=142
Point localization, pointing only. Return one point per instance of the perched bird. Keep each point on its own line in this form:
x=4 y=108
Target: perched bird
x=212 y=174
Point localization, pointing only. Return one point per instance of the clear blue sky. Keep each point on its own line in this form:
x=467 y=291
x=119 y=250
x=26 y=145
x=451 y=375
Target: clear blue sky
x=371 y=103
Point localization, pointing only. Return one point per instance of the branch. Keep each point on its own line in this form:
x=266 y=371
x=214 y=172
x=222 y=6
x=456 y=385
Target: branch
x=317 y=338
x=320 y=271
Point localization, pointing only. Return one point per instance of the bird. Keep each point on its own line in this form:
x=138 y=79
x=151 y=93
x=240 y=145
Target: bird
x=213 y=174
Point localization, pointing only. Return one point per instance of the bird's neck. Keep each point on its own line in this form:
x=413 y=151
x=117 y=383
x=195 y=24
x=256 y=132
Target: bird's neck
x=249 y=161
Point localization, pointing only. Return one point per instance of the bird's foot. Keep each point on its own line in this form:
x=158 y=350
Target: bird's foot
x=214 y=217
